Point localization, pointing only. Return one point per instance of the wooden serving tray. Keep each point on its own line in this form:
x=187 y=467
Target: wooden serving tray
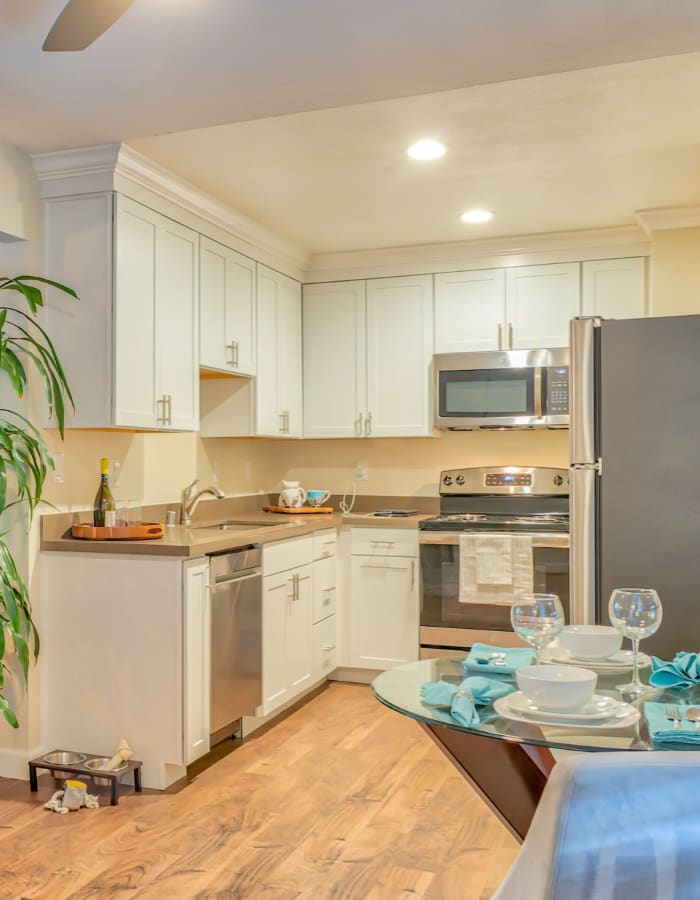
x=144 y=531
x=298 y=510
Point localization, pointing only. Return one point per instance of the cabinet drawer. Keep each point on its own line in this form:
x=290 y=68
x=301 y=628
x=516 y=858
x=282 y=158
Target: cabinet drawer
x=325 y=543
x=384 y=542
x=324 y=647
x=283 y=555
x=325 y=588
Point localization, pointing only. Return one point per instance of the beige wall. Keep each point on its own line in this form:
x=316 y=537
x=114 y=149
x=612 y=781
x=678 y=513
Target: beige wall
x=675 y=272
x=400 y=466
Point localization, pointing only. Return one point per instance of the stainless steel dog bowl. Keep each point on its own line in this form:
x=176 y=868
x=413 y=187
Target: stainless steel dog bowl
x=63 y=758
x=99 y=764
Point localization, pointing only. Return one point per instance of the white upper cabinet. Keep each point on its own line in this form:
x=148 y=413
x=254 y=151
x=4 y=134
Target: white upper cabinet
x=399 y=356
x=335 y=369
x=177 y=325
x=470 y=310
x=614 y=288
x=130 y=345
x=227 y=309
x=278 y=406
x=540 y=303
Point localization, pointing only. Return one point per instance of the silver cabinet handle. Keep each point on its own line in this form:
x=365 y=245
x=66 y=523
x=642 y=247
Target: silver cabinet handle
x=161 y=419
x=378 y=543
x=368 y=424
x=326 y=590
x=328 y=647
x=382 y=566
x=170 y=409
x=413 y=573
x=235 y=354
x=286 y=419
x=500 y=336
x=510 y=335
x=230 y=349
x=296 y=586
x=281 y=418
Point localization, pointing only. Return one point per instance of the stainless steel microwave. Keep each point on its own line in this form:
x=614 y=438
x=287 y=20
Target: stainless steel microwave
x=502 y=389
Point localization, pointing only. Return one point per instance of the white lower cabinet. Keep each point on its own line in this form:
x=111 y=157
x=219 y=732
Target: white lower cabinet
x=196 y=635
x=384 y=601
x=287 y=618
x=324 y=648
x=139 y=665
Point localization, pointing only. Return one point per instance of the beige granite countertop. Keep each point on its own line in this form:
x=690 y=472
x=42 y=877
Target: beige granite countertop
x=204 y=537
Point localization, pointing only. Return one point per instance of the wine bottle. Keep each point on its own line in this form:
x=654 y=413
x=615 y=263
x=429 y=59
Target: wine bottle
x=103 y=509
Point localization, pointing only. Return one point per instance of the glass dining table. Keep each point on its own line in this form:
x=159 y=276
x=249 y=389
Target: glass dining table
x=508 y=761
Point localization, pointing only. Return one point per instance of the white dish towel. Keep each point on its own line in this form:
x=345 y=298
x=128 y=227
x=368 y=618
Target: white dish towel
x=494 y=568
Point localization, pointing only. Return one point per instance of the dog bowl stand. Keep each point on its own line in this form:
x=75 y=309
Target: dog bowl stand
x=133 y=765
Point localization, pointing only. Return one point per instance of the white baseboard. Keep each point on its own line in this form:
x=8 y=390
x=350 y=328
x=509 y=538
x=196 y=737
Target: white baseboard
x=13 y=763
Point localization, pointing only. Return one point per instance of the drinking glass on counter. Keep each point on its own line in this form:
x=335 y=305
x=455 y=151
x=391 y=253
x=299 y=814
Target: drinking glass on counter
x=538 y=619
x=637 y=614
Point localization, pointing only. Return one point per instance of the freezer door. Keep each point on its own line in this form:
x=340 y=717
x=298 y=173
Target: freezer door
x=650 y=485
x=582 y=387
x=582 y=555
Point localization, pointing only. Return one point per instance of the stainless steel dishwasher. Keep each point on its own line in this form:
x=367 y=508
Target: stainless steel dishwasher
x=236 y=638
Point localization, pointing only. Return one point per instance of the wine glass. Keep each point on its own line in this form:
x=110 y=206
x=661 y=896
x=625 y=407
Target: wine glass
x=538 y=619
x=637 y=613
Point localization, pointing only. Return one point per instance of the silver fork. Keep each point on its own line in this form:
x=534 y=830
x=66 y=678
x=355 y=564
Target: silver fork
x=674 y=713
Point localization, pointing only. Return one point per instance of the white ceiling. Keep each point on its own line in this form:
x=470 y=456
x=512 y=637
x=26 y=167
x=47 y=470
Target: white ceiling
x=170 y=65
x=581 y=149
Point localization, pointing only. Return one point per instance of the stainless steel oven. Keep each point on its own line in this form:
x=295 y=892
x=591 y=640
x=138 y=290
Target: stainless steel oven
x=502 y=389
x=517 y=516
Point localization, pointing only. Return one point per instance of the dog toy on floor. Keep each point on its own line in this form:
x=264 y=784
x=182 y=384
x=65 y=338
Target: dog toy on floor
x=73 y=796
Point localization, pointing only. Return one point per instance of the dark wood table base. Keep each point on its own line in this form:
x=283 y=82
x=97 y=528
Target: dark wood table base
x=509 y=777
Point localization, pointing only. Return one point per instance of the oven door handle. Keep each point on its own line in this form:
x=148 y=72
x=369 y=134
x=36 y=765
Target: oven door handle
x=451 y=538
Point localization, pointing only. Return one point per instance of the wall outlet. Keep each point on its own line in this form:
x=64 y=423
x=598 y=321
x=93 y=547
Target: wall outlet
x=361 y=470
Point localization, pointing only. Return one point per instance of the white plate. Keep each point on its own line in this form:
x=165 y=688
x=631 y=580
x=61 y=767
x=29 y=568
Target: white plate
x=618 y=662
x=622 y=715
x=599 y=707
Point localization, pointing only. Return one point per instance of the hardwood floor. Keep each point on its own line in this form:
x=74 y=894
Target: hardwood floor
x=343 y=799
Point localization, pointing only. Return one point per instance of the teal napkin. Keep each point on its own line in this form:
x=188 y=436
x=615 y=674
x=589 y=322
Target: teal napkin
x=515 y=658
x=683 y=670
x=661 y=729
x=462 y=699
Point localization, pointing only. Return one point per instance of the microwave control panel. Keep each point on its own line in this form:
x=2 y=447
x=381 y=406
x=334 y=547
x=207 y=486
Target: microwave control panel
x=557 y=401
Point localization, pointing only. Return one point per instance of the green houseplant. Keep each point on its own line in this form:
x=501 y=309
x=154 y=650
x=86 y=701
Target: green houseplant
x=24 y=456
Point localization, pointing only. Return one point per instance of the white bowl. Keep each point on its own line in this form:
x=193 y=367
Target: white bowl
x=590 y=641
x=557 y=687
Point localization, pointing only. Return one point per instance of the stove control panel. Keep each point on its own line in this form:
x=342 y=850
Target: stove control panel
x=511 y=480
x=507 y=479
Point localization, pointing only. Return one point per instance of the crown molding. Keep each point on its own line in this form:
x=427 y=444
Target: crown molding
x=116 y=166
x=668 y=217
x=559 y=246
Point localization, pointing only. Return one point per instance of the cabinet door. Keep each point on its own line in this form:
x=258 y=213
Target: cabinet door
x=298 y=647
x=227 y=309
x=268 y=420
x=399 y=355
x=177 y=324
x=383 y=611
x=277 y=596
x=470 y=310
x=324 y=648
x=614 y=288
x=540 y=303
x=196 y=657
x=335 y=362
x=289 y=355
x=135 y=372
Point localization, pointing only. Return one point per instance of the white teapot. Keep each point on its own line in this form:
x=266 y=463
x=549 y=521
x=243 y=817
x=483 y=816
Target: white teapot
x=293 y=494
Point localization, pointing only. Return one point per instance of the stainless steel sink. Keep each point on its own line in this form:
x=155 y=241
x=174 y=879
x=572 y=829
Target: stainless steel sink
x=237 y=526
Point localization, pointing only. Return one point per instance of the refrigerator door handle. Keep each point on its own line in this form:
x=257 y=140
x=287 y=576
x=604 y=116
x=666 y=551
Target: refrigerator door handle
x=582 y=390
x=582 y=555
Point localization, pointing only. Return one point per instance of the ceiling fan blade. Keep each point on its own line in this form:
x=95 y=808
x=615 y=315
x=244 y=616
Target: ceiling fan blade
x=82 y=22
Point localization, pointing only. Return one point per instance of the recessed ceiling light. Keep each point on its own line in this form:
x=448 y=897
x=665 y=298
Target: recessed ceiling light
x=475 y=216
x=426 y=149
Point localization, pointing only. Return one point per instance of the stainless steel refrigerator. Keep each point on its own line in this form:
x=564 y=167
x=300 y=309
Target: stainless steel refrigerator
x=635 y=470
